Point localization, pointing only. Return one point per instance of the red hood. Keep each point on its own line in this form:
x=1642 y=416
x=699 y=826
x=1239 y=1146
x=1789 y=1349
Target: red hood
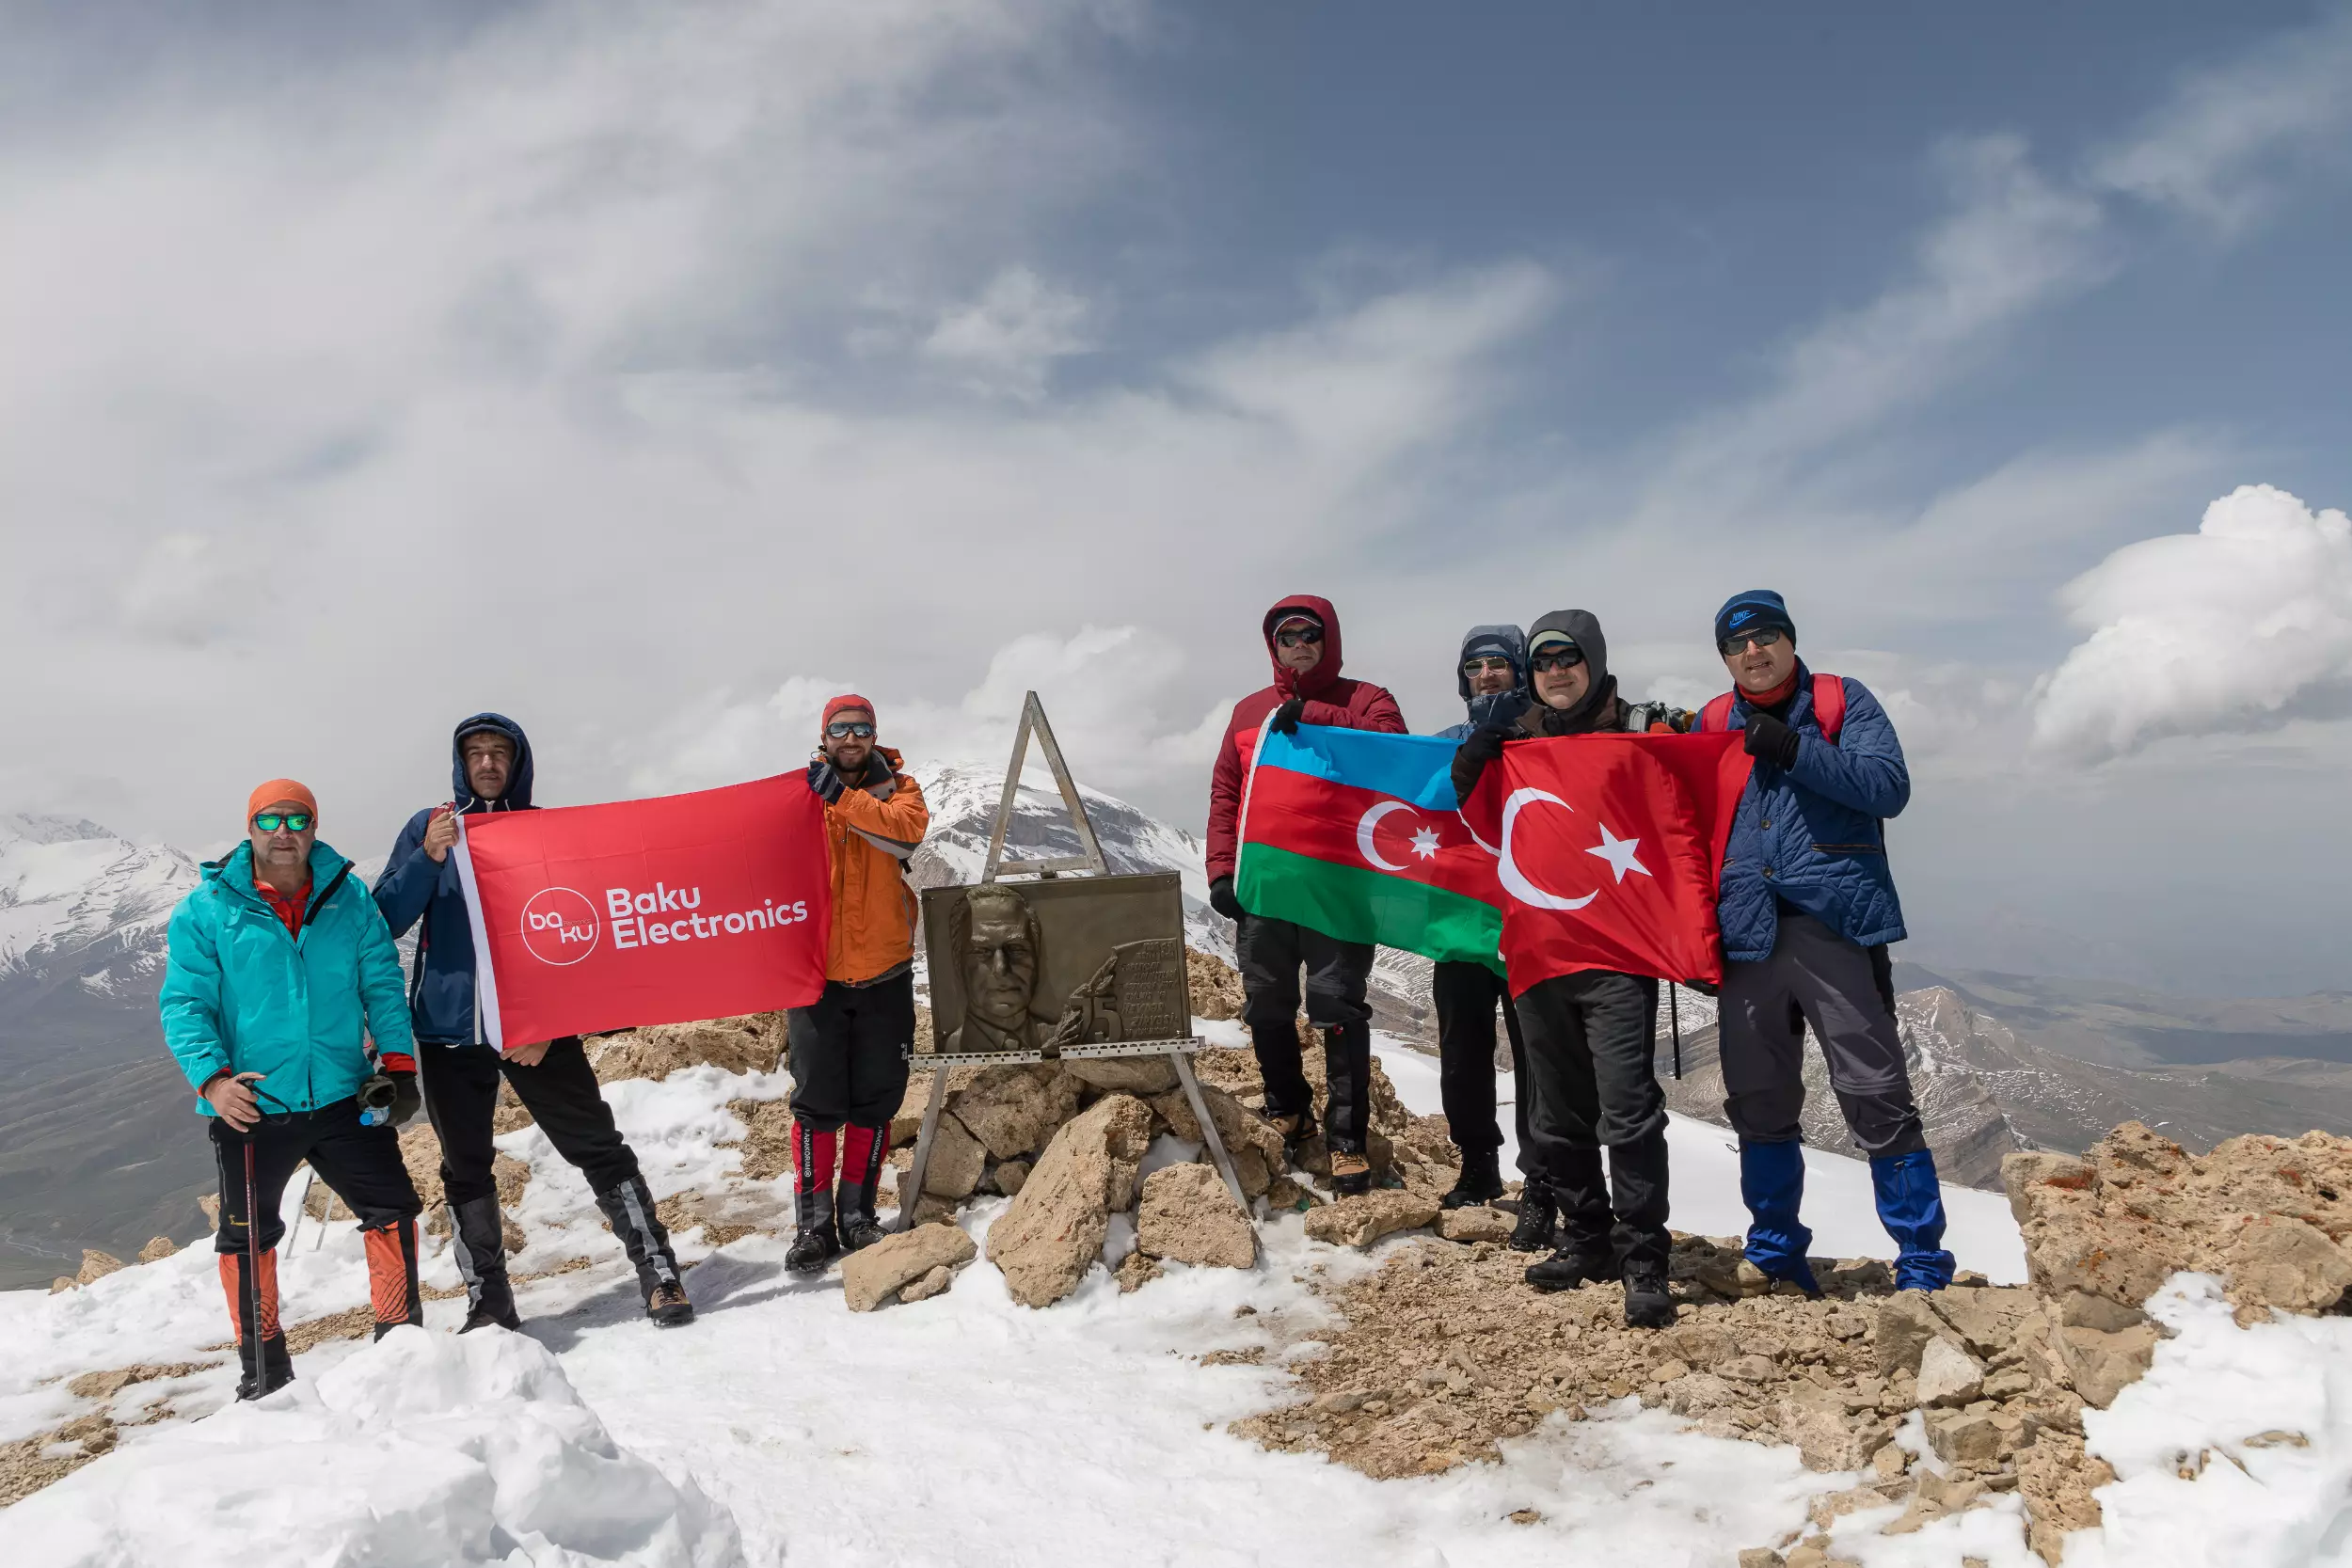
x=1324 y=674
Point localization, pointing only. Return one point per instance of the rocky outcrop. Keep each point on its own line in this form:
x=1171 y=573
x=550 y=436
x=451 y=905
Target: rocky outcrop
x=1360 y=1221
x=739 y=1045
x=870 y=1276
x=1053 y=1231
x=1188 y=1216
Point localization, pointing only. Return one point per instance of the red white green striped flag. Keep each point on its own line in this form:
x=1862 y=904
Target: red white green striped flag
x=1354 y=834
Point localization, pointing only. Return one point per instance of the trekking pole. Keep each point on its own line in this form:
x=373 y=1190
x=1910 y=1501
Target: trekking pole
x=253 y=1261
x=1673 y=1015
x=302 y=1209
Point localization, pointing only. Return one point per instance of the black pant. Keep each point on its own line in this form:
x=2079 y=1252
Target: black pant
x=1465 y=995
x=1590 y=1039
x=1272 y=952
x=1846 y=993
x=360 y=1165
x=848 y=1052
x=561 y=1092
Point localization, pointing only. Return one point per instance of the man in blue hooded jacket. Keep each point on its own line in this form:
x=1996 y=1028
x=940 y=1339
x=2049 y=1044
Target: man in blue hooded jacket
x=1807 y=907
x=1491 y=675
x=491 y=771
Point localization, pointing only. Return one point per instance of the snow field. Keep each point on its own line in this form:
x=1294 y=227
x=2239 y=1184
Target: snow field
x=969 y=1430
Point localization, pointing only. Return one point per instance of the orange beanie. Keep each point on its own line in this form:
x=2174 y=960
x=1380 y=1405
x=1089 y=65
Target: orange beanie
x=281 y=789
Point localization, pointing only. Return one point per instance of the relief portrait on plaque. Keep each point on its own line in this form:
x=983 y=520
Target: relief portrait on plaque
x=1044 y=966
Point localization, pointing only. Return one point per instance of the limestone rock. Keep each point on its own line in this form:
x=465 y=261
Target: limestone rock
x=157 y=1249
x=2078 y=1310
x=2278 y=1261
x=1905 y=1325
x=1984 y=1318
x=1948 y=1375
x=1008 y=1109
x=2056 y=1478
x=928 y=1285
x=1216 y=986
x=2040 y=1179
x=871 y=1275
x=1963 y=1437
x=1244 y=1131
x=958 y=1160
x=1360 y=1221
x=1815 y=1421
x=210 y=1203
x=1281 y=1193
x=1142 y=1076
x=1136 y=1271
x=1188 y=1216
x=2104 y=1365
x=63 y=1282
x=735 y=1045
x=1009 y=1175
x=1761 y=1557
x=1475 y=1223
x=96 y=1266
x=1054 y=1231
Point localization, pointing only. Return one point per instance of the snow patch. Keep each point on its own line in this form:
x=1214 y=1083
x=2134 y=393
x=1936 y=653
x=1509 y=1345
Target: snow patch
x=428 y=1449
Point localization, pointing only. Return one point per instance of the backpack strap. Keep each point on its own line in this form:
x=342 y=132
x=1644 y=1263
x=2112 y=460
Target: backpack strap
x=1829 y=707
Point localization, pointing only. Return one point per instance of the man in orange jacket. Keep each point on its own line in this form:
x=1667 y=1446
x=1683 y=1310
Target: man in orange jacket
x=847 y=1050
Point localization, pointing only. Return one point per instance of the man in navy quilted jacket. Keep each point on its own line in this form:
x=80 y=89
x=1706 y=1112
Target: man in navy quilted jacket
x=1808 y=907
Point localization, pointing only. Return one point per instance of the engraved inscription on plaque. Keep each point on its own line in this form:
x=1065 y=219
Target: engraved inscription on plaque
x=1149 y=985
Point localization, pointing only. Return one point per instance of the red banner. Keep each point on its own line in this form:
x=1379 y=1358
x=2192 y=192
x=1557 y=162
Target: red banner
x=667 y=910
x=1609 y=847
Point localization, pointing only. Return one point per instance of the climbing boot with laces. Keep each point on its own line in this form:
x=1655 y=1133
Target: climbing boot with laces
x=1539 y=1213
x=1648 y=1305
x=668 y=1307
x=1481 y=1181
x=1351 y=1174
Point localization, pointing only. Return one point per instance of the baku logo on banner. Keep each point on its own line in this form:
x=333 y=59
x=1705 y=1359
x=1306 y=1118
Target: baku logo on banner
x=668 y=911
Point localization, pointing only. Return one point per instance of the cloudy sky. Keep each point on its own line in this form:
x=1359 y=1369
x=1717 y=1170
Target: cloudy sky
x=649 y=371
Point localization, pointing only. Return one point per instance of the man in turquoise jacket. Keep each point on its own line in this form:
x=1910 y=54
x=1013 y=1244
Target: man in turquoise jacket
x=280 y=968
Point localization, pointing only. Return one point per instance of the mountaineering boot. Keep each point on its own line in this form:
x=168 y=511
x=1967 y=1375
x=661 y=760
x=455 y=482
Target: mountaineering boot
x=812 y=1200
x=1582 y=1260
x=1351 y=1175
x=1538 y=1214
x=1911 y=1206
x=1481 y=1181
x=628 y=1206
x=391 y=1250
x=1296 y=1128
x=862 y=1152
x=1772 y=1183
x=265 y=1365
x=478 y=1242
x=1646 y=1303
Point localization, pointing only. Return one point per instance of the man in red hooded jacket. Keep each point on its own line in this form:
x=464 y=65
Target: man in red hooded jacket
x=1302 y=636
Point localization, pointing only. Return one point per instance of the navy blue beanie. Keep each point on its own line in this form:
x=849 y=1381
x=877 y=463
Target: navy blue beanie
x=1749 y=612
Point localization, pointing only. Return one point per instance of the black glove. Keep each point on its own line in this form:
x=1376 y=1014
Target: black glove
x=1221 y=899
x=1769 y=740
x=823 y=781
x=1471 y=759
x=406 y=1098
x=1285 y=719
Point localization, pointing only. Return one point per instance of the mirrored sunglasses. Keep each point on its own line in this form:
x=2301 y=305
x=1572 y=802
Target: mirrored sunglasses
x=1480 y=666
x=1291 y=636
x=293 y=821
x=841 y=728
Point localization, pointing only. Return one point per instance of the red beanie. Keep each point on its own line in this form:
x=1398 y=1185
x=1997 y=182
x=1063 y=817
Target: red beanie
x=846 y=699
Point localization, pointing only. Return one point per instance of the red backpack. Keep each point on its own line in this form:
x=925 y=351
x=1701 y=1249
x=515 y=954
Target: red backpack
x=1829 y=708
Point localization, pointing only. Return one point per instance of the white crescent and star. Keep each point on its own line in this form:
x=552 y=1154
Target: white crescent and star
x=1621 y=853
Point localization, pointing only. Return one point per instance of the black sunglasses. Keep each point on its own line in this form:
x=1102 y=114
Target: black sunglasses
x=1292 y=638
x=1559 y=659
x=840 y=728
x=1769 y=638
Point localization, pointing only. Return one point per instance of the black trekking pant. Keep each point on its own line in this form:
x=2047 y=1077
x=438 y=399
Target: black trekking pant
x=1465 y=996
x=359 y=1163
x=848 y=1052
x=1590 y=1039
x=460 y=1083
x=1272 y=954
x=1845 y=991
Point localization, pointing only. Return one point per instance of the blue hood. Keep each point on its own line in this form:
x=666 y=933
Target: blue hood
x=517 y=796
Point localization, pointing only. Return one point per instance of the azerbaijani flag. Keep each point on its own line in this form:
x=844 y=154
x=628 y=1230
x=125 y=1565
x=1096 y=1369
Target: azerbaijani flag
x=1354 y=833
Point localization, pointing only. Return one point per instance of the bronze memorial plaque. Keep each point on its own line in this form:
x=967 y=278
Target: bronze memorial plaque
x=1047 y=965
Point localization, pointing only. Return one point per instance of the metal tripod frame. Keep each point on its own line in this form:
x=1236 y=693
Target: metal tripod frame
x=1089 y=861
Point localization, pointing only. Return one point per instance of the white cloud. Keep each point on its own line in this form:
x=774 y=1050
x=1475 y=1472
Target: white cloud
x=2214 y=151
x=2240 y=627
x=1005 y=341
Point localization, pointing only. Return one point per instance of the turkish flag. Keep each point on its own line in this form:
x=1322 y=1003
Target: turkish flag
x=667 y=910
x=1609 y=847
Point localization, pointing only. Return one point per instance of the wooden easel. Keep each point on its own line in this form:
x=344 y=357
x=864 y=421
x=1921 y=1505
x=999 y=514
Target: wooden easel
x=1089 y=862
